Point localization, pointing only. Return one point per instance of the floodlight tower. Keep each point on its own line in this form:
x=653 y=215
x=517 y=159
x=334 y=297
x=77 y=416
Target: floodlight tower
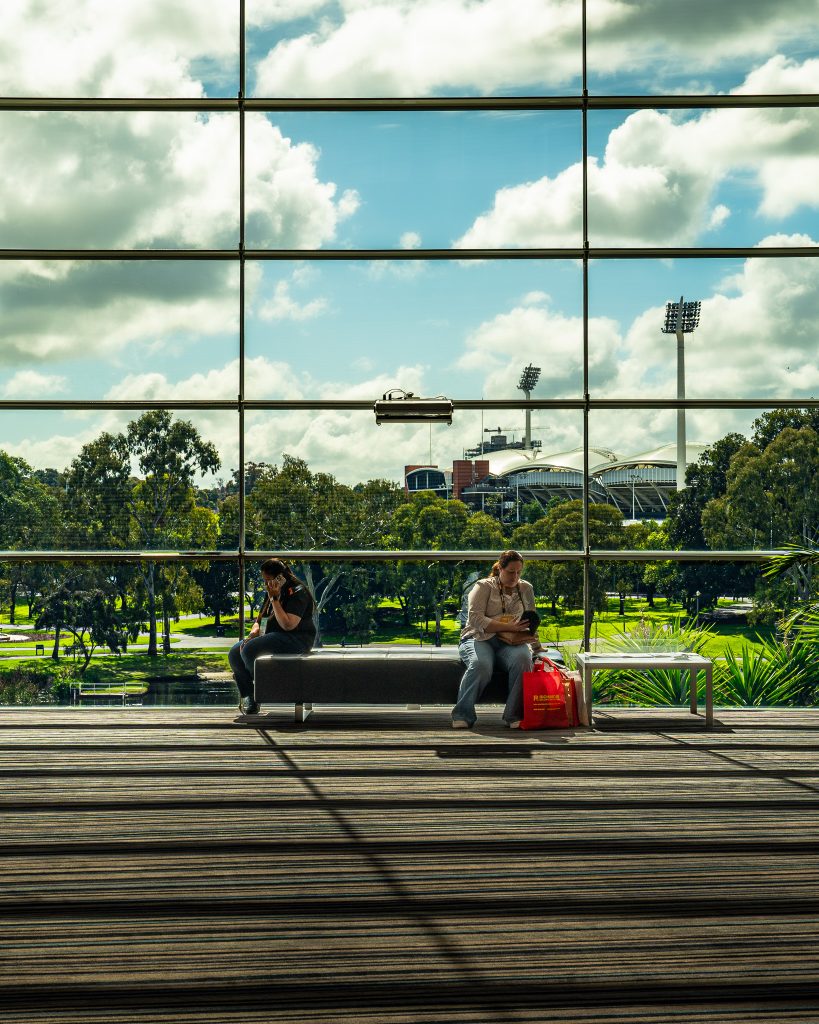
x=528 y=379
x=681 y=318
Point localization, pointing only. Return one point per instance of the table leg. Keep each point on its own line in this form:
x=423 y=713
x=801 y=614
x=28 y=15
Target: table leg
x=692 y=689
x=709 y=696
x=587 y=689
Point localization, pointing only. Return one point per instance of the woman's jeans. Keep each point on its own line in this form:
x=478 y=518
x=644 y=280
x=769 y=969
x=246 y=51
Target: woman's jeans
x=479 y=656
x=242 y=655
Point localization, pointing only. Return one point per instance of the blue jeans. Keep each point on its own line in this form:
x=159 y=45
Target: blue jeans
x=479 y=656
x=242 y=655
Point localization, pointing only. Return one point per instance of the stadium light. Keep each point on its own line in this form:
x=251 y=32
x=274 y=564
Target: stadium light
x=399 y=406
x=681 y=318
x=528 y=379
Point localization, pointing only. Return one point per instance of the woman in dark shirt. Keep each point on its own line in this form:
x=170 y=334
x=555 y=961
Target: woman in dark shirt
x=284 y=625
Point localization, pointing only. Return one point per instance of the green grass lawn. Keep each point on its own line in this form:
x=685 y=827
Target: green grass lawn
x=566 y=628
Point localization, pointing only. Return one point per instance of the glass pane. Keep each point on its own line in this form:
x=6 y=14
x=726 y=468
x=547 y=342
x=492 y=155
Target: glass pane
x=703 y=178
x=119 y=180
x=329 y=48
x=752 y=480
x=755 y=337
x=116 y=634
x=124 y=331
x=415 y=179
x=335 y=480
x=460 y=329
x=666 y=47
x=99 y=481
x=730 y=612
x=133 y=48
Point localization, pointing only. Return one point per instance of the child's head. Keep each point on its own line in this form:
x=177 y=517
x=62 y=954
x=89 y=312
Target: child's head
x=532 y=618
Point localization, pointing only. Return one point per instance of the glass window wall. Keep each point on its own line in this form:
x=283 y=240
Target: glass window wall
x=258 y=237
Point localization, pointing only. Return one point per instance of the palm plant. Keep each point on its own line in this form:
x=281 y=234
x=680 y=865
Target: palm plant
x=766 y=677
x=801 y=628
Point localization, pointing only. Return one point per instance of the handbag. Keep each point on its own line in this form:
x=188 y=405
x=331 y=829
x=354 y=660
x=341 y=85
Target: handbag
x=552 y=698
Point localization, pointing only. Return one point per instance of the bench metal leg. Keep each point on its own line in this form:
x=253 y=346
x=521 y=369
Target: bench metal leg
x=302 y=711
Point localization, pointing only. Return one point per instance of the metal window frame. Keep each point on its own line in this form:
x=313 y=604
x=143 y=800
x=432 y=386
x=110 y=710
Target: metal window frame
x=584 y=254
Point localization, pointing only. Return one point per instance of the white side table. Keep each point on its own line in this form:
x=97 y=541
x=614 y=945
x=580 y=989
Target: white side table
x=588 y=661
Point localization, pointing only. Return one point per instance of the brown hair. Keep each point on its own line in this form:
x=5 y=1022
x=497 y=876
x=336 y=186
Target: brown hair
x=276 y=567
x=504 y=558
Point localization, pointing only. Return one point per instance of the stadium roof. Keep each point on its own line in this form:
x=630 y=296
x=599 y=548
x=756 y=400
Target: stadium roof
x=517 y=460
x=665 y=455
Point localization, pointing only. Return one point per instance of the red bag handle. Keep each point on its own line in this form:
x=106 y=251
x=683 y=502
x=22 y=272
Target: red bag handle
x=543 y=661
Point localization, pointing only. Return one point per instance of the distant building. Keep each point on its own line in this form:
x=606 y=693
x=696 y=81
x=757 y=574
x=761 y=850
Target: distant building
x=446 y=483
x=639 y=486
x=428 y=478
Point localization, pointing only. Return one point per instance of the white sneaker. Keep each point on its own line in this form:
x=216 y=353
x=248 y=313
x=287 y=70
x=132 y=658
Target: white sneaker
x=459 y=723
x=512 y=725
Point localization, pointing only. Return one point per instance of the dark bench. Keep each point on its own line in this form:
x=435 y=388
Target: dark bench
x=368 y=675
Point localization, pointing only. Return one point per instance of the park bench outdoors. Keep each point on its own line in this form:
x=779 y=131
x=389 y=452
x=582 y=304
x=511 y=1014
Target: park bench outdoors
x=408 y=676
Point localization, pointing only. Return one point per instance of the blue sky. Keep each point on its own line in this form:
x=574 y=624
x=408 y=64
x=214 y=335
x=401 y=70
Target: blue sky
x=403 y=180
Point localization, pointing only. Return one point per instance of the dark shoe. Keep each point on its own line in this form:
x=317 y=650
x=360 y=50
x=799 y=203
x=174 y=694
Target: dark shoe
x=248 y=706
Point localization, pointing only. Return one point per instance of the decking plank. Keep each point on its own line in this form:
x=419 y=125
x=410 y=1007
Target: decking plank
x=375 y=866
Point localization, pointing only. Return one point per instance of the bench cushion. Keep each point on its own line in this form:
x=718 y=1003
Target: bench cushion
x=367 y=675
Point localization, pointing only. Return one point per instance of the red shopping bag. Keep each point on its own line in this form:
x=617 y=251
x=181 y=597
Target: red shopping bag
x=549 y=698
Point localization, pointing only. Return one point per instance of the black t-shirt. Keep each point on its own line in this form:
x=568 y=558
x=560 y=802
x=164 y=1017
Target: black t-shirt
x=295 y=600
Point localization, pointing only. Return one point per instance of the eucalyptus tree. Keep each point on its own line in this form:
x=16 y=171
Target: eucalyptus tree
x=29 y=519
x=292 y=508
x=135 y=490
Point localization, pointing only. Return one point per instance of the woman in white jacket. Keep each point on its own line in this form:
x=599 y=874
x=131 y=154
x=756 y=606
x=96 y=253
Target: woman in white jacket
x=494 y=632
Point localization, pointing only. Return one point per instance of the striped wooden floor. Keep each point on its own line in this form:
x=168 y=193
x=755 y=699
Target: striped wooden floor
x=177 y=865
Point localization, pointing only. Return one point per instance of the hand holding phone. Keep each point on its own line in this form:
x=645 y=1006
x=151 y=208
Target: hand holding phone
x=275 y=585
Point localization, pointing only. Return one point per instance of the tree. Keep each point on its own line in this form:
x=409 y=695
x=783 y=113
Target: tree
x=29 y=519
x=293 y=508
x=561 y=529
x=706 y=480
x=771 y=424
x=85 y=606
x=772 y=495
x=429 y=522
x=771 y=500
x=119 y=510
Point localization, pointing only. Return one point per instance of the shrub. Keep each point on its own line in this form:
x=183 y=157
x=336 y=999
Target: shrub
x=36 y=684
x=762 y=678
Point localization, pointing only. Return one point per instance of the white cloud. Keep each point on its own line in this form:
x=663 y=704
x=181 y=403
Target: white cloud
x=103 y=310
x=26 y=383
x=141 y=181
x=283 y=307
x=287 y=205
x=656 y=180
x=413 y=47
x=410 y=240
x=700 y=35
x=756 y=339
x=347 y=444
x=537 y=334
x=271 y=12
x=418 y=47
x=127 y=48
x=719 y=215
